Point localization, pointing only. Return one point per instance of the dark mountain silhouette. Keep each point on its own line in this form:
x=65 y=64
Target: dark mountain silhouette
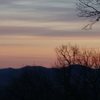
x=75 y=82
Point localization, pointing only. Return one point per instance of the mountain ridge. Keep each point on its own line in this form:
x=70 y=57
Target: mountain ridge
x=72 y=82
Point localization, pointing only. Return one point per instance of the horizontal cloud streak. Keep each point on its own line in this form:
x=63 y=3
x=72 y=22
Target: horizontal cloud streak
x=40 y=10
x=45 y=28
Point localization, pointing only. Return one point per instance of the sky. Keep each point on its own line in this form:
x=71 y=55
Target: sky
x=30 y=30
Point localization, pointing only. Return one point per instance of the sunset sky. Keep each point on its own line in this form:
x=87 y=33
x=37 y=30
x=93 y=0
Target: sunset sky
x=30 y=30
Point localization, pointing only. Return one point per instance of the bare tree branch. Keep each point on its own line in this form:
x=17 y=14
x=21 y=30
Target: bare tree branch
x=89 y=9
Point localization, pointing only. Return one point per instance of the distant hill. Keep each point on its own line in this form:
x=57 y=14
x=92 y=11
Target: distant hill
x=75 y=82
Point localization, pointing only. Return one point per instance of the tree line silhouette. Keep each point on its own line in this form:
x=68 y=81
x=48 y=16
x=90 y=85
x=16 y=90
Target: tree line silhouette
x=72 y=54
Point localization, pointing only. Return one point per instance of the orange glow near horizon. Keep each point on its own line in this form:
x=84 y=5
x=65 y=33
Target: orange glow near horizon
x=18 y=51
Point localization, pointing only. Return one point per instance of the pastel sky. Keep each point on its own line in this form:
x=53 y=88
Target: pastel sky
x=30 y=30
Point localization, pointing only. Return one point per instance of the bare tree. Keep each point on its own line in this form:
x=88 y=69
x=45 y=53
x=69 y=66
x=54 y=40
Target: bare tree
x=89 y=9
x=66 y=55
x=72 y=54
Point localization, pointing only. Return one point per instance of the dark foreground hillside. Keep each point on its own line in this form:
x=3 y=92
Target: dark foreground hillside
x=38 y=83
